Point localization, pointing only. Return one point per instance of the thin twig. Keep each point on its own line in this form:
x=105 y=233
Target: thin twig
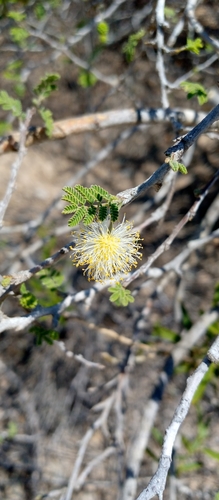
x=17 y=163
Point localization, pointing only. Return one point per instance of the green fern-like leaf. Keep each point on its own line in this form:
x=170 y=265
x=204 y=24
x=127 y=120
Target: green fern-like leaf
x=92 y=210
x=103 y=212
x=89 y=195
x=68 y=189
x=78 y=197
x=73 y=196
x=90 y=216
x=86 y=203
x=9 y=104
x=87 y=192
x=99 y=191
x=120 y=296
x=47 y=85
x=69 y=209
x=77 y=217
x=114 y=212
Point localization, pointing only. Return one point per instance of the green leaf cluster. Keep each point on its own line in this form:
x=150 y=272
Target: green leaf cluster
x=44 y=334
x=120 y=295
x=27 y=299
x=19 y=35
x=129 y=47
x=46 y=286
x=195 y=90
x=39 y=10
x=89 y=204
x=42 y=91
x=86 y=79
x=13 y=72
x=103 y=31
x=51 y=278
x=194 y=45
x=6 y=280
x=17 y=16
x=45 y=87
x=9 y=104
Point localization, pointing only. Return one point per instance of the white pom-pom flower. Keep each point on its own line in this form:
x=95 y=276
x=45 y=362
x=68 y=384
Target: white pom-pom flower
x=107 y=252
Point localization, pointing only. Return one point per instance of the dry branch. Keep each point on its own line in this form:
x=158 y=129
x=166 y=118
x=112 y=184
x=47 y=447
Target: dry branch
x=99 y=121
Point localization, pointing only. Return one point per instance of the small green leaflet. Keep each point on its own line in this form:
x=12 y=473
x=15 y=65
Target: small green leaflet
x=86 y=79
x=46 y=116
x=195 y=90
x=19 y=35
x=194 y=45
x=9 y=104
x=51 y=278
x=103 y=30
x=47 y=85
x=178 y=167
x=6 y=280
x=44 y=334
x=212 y=453
x=129 y=47
x=27 y=300
x=120 y=296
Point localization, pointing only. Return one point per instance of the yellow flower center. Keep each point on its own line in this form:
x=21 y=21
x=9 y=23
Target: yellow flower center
x=106 y=246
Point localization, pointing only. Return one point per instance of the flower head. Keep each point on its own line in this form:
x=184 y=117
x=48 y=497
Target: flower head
x=106 y=251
